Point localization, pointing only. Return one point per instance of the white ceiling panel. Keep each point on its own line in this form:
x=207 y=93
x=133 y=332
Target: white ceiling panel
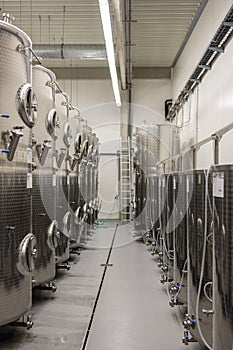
x=157 y=35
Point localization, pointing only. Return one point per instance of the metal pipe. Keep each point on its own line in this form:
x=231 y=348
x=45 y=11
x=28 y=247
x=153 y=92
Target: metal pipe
x=216 y=140
x=80 y=51
x=216 y=137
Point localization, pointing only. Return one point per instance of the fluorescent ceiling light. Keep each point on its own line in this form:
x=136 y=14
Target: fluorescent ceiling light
x=107 y=28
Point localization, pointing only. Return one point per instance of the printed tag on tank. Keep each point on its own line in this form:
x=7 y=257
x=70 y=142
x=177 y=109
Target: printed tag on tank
x=54 y=163
x=218 y=184
x=54 y=180
x=29 y=180
x=29 y=155
x=174 y=184
x=163 y=182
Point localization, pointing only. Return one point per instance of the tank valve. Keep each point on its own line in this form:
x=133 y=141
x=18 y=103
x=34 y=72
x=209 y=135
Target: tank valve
x=49 y=286
x=175 y=287
x=175 y=302
x=208 y=312
x=29 y=323
x=153 y=248
x=189 y=322
x=187 y=339
x=160 y=263
x=164 y=268
x=163 y=278
x=5 y=115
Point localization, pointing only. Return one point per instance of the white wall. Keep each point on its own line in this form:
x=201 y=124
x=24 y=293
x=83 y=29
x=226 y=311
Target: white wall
x=148 y=100
x=211 y=106
x=204 y=31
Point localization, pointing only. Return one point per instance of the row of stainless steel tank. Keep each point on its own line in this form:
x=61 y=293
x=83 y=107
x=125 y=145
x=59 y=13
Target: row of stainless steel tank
x=49 y=176
x=190 y=216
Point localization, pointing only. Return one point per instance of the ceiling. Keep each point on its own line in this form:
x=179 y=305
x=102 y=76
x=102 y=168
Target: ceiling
x=157 y=33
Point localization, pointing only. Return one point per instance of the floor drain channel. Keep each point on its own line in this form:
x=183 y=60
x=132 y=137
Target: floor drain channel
x=106 y=265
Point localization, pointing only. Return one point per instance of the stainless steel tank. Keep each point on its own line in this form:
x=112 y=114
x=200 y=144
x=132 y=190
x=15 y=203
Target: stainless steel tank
x=155 y=214
x=179 y=286
x=44 y=175
x=141 y=136
x=84 y=211
x=168 y=228
x=18 y=107
x=63 y=143
x=94 y=179
x=196 y=234
x=223 y=257
x=76 y=153
x=162 y=220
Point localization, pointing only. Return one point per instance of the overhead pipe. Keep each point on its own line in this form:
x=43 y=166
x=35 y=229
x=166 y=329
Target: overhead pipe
x=128 y=44
x=71 y=51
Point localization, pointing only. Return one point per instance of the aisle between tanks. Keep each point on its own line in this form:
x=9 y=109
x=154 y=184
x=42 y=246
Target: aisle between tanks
x=133 y=311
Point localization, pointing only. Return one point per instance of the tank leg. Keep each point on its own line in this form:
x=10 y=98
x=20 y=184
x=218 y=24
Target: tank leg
x=187 y=339
x=28 y=323
x=63 y=266
x=51 y=286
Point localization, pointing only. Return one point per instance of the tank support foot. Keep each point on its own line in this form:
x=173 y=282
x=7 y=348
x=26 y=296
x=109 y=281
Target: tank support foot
x=28 y=323
x=51 y=286
x=64 y=266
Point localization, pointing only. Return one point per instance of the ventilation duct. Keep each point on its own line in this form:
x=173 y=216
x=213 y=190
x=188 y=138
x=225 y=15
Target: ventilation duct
x=71 y=51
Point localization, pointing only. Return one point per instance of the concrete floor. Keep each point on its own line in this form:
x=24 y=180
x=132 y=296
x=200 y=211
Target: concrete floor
x=132 y=311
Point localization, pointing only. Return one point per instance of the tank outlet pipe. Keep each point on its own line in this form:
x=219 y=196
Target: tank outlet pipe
x=16 y=134
x=61 y=157
x=73 y=161
x=216 y=139
x=42 y=151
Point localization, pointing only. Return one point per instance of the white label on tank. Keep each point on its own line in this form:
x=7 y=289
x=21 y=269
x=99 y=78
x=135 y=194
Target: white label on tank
x=54 y=163
x=68 y=180
x=187 y=185
x=174 y=184
x=29 y=180
x=163 y=182
x=218 y=185
x=29 y=155
x=54 y=180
